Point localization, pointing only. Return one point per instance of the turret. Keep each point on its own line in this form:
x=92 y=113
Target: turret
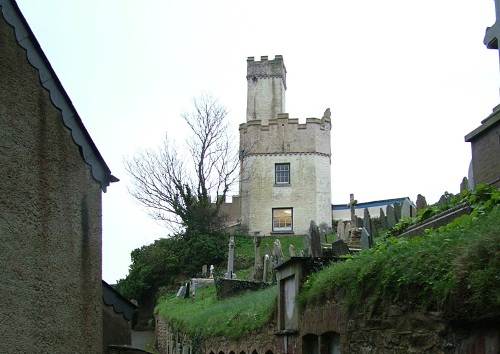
x=266 y=88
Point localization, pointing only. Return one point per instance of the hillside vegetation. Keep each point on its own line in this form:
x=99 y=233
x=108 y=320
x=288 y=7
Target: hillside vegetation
x=454 y=269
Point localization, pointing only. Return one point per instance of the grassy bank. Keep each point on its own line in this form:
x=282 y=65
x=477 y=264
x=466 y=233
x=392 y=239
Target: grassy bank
x=455 y=270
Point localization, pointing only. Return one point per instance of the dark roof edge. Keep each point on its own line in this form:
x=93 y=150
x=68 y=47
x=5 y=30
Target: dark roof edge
x=49 y=80
x=120 y=304
x=490 y=121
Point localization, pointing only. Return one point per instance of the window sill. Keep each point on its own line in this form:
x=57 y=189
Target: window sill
x=282 y=233
x=282 y=185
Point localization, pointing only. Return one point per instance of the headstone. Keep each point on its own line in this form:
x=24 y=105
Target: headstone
x=367 y=220
x=366 y=239
x=406 y=209
x=464 y=186
x=374 y=231
x=277 y=252
x=359 y=222
x=257 y=267
x=291 y=249
x=315 y=240
x=195 y=287
x=265 y=268
x=397 y=211
x=421 y=202
x=383 y=219
x=204 y=270
x=391 y=217
x=413 y=211
x=230 y=259
x=340 y=230
x=340 y=248
x=211 y=271
x=347 y=230
x=307 y=244
x=182 y=291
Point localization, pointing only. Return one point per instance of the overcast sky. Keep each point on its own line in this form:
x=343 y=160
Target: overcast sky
x=405 y=81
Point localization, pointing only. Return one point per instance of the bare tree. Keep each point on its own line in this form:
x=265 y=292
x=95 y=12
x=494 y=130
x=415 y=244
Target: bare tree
x=183 y=191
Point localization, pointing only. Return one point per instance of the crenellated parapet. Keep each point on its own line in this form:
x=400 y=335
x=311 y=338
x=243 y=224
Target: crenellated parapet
x=284 y=135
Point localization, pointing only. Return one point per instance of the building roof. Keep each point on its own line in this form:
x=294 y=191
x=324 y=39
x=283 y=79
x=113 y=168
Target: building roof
x=376 y=203
x=491 y=121
x=49 y=80
x=111 y=297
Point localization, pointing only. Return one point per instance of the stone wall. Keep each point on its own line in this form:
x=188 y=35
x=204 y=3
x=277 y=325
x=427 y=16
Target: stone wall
x=485 y=145
x=50 y=220
x=116 y=329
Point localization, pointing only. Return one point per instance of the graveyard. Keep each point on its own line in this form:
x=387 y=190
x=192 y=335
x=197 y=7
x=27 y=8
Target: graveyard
x=420 y=293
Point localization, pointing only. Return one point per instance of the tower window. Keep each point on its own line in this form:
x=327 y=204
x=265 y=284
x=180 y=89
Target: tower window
x=282 y=173
x=283 y=219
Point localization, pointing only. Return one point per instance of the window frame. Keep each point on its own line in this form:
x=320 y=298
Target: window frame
x=284 y=229
x=282 y=173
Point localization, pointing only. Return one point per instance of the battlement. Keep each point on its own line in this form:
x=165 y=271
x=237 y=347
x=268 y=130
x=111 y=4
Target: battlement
x=266 y=81
x=286 y=135
x=266 y=68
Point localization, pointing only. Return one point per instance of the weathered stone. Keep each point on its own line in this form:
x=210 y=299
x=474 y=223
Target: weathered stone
x=421 y=202
x=383 y=219
x=367 y=221
x=406 y=209
x=230 y=259
x=391 y=217
x=340 y=248
x=315 y=240
x=397 y=211
x=366 y=239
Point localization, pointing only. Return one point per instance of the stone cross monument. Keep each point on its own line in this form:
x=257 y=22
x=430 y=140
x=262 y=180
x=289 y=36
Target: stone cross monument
x=230 y=259
x=354 y=232
x=492 y=36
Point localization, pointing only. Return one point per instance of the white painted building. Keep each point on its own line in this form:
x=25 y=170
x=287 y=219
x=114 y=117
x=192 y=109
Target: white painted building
x=285 y=166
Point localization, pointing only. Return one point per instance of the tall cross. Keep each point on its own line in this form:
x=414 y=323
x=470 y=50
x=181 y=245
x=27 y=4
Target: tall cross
x=352 y=205
x=491 y=38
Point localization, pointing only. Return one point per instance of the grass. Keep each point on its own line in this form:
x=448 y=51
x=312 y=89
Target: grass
x=206 y=317
x=454 y=270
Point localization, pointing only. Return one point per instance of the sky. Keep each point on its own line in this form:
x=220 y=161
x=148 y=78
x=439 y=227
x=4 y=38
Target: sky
x=405 y=82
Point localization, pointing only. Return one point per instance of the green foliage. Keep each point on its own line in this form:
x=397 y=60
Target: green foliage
x=454 y=270
x=158 y=264
x=481 y=200
x=206 y=317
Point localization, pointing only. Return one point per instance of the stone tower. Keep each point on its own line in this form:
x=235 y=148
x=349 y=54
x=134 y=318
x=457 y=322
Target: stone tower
x=285 y=166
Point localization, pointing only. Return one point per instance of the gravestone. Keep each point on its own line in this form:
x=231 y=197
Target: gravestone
x=277 y=252
x=367 y=220
x=347 y=231
x=397 y=211
x=464 y=186
x=421 y=202
x=366 y=239
x=340 y=230
x=182 y=291
x=315 y=240
x=257 y=267
x=265 y=268
x=204 y=270
x=359 y=222
x=406 y=209
x=391 y=217
x=307 y=244
x=230 y=259
x=383 y=219
x=340 y=248
x=291 y=249
x=211 y=271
